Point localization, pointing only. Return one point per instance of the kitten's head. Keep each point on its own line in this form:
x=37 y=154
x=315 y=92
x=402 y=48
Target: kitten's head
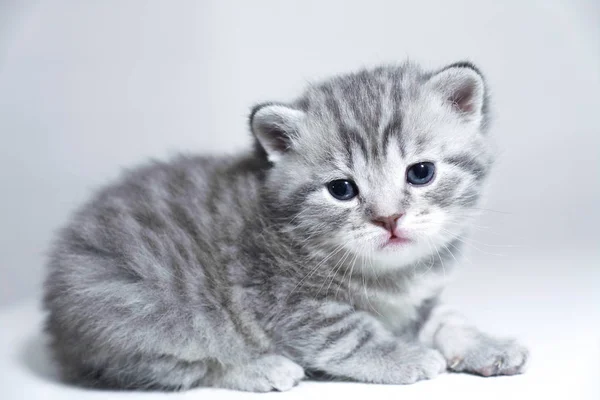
x=386 y=163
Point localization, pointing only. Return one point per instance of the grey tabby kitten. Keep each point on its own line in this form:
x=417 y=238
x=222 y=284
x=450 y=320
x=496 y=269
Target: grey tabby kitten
x=322 y=251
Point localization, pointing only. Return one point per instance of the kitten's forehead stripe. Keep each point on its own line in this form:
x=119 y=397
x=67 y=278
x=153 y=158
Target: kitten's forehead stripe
x=352 y=139
x=332 y=104
x=364 y=109
x=394 y=127
x=421 y=143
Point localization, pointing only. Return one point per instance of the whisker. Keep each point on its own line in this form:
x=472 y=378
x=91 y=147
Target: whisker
x=333 y=275
x=345 y=272
x=331 y=272
x=460 y=239
x=493 y=211
x=365 y=285
x=311 y=273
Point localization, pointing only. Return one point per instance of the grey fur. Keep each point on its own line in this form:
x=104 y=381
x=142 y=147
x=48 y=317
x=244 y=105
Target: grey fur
x=243 y=272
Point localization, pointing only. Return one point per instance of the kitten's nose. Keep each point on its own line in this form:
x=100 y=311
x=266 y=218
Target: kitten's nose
x=388 y=222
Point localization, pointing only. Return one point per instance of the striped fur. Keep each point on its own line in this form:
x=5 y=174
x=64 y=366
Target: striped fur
x=245 y=273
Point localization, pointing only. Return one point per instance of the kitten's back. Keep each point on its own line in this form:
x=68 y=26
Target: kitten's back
x=141 y=256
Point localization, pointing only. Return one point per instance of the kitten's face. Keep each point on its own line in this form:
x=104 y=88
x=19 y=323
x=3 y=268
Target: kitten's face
x=385 y=164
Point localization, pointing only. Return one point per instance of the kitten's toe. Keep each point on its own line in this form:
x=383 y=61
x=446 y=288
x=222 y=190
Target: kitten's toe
x=429 y=364
x=266 y=374
x=285 y=374
x=491 y=357
x=435 y=365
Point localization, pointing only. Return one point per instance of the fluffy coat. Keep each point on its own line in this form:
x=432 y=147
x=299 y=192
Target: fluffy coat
x=246 y=273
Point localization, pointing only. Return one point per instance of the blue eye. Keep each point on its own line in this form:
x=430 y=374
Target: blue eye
x=342 y=189
x=420 y=173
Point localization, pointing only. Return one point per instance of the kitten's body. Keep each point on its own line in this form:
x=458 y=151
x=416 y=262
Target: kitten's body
x=238 y=273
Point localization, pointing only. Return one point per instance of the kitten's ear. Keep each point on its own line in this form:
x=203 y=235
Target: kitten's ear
x=463 y=87
x=275 y=126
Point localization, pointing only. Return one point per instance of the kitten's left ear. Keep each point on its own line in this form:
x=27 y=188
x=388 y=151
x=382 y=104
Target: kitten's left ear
x=275 y=127
x=463 y=87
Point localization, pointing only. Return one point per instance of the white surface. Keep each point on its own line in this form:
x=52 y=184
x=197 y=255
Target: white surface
x=555 y=313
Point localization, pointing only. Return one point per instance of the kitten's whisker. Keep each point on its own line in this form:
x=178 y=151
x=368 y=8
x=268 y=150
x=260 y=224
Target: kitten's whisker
x=333 y=275
x=492 y=211
x=452 y=254
x=432 y=261
x=340 y=247
x=367 y=292
x=371 y=251
x=343 y=277
x=460 y=239
x=439 y=256
x=462 y=254
x=441 y=260
x=312 y=271
x=467 y=236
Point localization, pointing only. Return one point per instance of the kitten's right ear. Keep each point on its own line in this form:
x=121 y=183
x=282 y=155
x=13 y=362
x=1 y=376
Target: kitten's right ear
x=463 y=87
x=275 y=127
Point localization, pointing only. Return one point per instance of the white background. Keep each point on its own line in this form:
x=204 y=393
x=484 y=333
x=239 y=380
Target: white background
x=89 y=87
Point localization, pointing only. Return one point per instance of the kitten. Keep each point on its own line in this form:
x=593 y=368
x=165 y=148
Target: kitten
x=322 y=251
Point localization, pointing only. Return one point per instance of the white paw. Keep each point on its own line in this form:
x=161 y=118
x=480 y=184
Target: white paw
x=268 y=373
x=282 y=373
x=490 y=357
x=427 y=364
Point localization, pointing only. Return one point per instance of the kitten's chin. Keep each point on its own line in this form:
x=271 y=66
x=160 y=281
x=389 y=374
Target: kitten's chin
x=397 y=253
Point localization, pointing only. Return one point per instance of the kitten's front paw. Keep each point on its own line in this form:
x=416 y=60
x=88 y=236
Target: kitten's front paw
x=276 y=373
x=489 y=356
x=426 y=364
x=267 y=373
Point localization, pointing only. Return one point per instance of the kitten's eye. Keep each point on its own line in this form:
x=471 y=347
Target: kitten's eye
x=342 y=189
x=420 y=173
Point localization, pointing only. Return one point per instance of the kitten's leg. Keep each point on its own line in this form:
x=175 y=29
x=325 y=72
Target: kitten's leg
x=335 y=339
x=467 y=349
x=160 y=372
x=264 y=374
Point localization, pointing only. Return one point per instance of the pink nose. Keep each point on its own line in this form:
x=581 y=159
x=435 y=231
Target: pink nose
x=388 y=223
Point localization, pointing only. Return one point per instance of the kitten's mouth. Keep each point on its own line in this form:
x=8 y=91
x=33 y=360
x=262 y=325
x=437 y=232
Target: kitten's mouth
x=394 y=240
